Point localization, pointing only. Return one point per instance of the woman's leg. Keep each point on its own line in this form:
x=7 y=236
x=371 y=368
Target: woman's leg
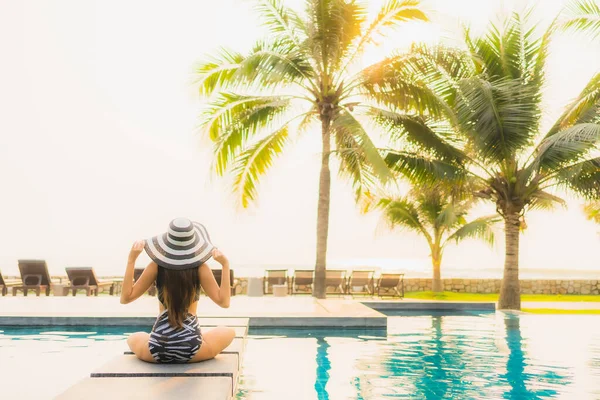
x=214 y=342
x=138 y=343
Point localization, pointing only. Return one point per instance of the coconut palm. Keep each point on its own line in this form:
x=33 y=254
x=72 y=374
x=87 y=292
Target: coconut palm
x=490 y=94
x=303 y=73
x=438 y=213
x=582 y=16
x=592 y=211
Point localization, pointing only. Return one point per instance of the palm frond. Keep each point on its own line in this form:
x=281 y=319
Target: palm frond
x=221 y=70
x=254 y=162
x=402 y=212
x=499 y=118
x=583 y=16
x=592 y=211
x=585 y=108
x=331 y=28
x=394 y=86
x=282 y=21
x=582 y=178
x=353 y=165
x=276 y=63
x=541 y=200
x=231 y=119
x=420 y=169
x=442 y=67
x=392 y=14
x=419 y=130
x=567 y=146
x=449 y=215
x=350 y=130
x=480 y=228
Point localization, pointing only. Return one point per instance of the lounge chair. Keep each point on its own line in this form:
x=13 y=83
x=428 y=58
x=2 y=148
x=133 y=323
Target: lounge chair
x=34 y=276
x=302 y=277
x=218 y=273
x=335 y=279
x=391 y=282
x=274 y=277
x=137 y=272
x=4 y=284
x=362 y=280
x=84 y=278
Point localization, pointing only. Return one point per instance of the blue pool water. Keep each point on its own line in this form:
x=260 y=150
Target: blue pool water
x=420 y=356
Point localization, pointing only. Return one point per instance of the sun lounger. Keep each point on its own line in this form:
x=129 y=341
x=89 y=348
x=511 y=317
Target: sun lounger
x=302 y=278
x=391 y=282
x=274 y=277
x=137 y=272
x=84 y=278
x=336 y=279
x=218 y=273
x=34 y=276
x=5 y=284
x=363 y=280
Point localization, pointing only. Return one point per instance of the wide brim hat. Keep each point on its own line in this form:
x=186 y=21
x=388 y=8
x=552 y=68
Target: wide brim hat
x=185 y=245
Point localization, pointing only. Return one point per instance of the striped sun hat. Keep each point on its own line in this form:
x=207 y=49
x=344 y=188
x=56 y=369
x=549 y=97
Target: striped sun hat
x=185 y=245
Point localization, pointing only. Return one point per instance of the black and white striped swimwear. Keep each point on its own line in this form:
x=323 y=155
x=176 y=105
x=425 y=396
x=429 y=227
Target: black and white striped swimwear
x=175 y=345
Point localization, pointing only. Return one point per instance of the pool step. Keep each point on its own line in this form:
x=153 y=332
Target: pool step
x=150 y=388
x=236 y=347
x=127 y=377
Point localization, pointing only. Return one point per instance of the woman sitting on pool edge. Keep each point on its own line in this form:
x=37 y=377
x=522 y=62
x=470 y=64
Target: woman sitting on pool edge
x=178 y=266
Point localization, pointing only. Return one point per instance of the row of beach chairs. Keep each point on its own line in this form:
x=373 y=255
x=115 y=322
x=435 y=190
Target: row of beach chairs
x=35 y=277
x=337 y=281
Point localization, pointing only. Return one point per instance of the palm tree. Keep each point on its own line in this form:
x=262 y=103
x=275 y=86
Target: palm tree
x=304 y=72
x=592 y=211
x=438 y=213
x=490 y=94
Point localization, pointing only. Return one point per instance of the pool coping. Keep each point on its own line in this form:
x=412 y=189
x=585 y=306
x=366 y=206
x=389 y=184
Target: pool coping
x=430 y=305
x=268 y=321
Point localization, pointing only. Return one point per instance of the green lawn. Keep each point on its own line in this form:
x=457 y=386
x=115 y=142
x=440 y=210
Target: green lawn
x=559 y=311
x=451 y=296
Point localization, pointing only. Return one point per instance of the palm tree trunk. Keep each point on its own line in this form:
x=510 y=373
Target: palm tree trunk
x=323 y=212
x=510 y=291
x=437 y=273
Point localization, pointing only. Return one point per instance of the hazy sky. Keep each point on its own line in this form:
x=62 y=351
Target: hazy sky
x=99 y=145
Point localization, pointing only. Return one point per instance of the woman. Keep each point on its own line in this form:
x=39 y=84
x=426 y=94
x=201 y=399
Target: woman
x=179 y=269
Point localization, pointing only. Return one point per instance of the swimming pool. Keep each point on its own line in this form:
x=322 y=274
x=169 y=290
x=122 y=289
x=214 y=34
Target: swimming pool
x=420 y=356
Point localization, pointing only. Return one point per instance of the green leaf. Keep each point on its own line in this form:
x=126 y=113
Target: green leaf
x=592 y=211
x=219 y=71
x=421 y=169
x=348 y=129
x=585 y=108
x=391 y=15
x=254 y=162
x=583 y=16
x=583 y=178
x=419 y=131
x=567 y=146
x=541 y=200
x=281 y=20
x=231 y=119
x=480 y=228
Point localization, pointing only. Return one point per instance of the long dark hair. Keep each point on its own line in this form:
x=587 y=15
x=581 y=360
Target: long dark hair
x=179 y=291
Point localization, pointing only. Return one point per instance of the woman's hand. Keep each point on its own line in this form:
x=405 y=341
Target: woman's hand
x=219 y=257
x=136 y=249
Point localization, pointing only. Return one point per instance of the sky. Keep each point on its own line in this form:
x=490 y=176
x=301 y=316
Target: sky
x=100 y=146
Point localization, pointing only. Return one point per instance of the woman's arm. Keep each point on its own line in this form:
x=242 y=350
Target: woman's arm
x=220 y=295
x=132 y=291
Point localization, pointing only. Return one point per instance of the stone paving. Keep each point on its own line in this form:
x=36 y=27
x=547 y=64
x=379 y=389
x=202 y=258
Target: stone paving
x=262 y=311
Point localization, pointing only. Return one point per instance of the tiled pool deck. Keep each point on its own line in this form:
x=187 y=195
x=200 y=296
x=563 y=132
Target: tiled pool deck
x=262 y=311
x=269 y=311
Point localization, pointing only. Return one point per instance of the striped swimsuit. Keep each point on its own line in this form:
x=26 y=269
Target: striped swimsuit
x=175 y=345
